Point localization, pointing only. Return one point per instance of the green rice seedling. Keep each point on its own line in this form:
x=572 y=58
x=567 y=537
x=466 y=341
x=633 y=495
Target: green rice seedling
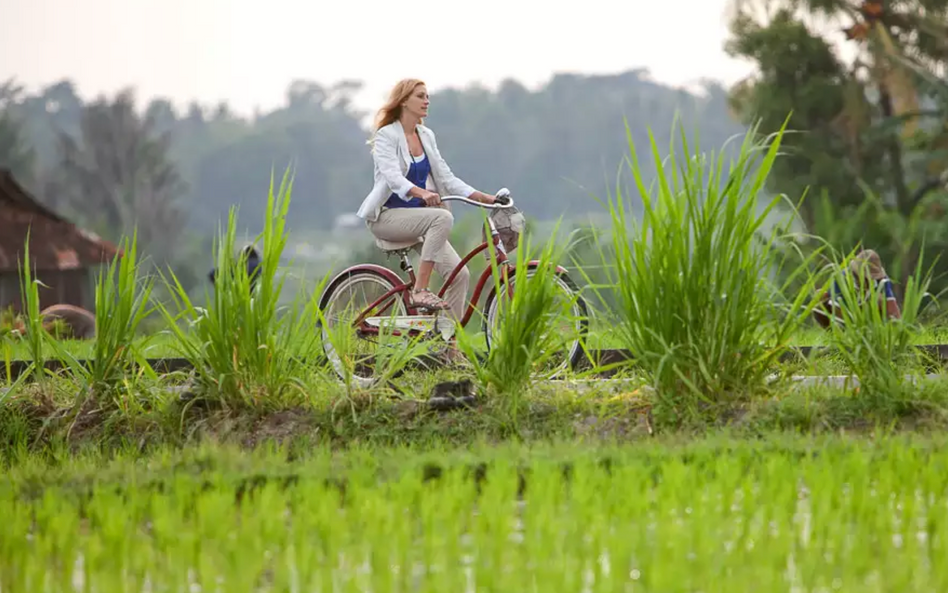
x=14 y=433
x=29 y=295
x=532 y=329
x=396 y=353
x=347 y=357
x=247 y=350
x=7 y=341
x=715 y=515
x=122 y=303
x=879 y=351
x=699 y=281
x=36 y=337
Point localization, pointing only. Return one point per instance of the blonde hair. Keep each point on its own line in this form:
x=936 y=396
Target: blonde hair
x=392 y=110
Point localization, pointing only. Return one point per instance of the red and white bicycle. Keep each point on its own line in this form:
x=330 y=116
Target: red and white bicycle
x=381 y=298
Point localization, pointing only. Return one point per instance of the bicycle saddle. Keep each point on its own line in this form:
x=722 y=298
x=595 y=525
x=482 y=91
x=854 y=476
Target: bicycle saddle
x=396 y=245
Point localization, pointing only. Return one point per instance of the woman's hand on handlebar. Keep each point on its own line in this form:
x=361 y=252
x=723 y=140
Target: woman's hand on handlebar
x=502 y=197
x=431 y=198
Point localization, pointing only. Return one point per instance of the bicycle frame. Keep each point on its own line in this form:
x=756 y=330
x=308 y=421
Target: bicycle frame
x=404 y=288
x=503 y=263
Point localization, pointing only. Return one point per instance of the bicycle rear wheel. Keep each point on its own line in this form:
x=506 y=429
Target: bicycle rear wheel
x=352 y=351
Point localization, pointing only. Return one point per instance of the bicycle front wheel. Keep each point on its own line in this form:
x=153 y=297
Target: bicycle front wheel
x=565 y=330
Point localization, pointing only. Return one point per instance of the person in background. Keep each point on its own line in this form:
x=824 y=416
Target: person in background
x=866 y=269
x=253 y=266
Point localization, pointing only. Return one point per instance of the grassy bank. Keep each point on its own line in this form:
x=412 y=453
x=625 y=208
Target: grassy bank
x=618 y=410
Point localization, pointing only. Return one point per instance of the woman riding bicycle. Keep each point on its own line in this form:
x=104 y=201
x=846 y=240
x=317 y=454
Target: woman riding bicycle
x=402 y=206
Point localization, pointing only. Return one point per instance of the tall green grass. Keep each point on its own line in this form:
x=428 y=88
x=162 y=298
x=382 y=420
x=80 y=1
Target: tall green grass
x=700 y=285
x=36 y=337
x=367 y=374
x=122 y=304
x=528 y=343
x=247 y=350
x=879 y=351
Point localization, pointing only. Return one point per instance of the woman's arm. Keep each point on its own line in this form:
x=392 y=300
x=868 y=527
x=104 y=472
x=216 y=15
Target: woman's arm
x=481 y=197
x=452 y=184
x=892 y=308
x=823 y=310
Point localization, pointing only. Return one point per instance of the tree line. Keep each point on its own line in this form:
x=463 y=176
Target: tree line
x=869 y=147
x=111 y=163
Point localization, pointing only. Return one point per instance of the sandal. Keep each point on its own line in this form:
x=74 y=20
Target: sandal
x=428 y=300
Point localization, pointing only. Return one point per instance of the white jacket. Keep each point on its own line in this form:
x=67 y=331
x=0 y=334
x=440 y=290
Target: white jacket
x=392 y=161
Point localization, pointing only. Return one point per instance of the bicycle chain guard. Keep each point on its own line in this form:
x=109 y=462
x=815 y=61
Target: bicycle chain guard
x=429 y=324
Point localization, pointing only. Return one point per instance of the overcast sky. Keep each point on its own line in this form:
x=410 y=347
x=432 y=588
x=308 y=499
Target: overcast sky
x=247 y=51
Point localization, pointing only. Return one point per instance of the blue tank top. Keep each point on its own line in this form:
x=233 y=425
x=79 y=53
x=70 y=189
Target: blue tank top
x=886 y=289
x=417 y=174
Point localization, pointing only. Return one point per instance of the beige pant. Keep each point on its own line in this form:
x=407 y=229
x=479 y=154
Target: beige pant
x=434 y=226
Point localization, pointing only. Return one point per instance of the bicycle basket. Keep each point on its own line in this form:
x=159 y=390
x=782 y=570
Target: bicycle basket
x=509 y=223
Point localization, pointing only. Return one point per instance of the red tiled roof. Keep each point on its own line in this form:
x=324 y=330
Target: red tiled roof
x=55 y=243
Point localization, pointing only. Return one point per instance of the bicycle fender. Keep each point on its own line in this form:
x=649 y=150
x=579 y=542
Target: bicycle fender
x=386 y=273
x=532 y=264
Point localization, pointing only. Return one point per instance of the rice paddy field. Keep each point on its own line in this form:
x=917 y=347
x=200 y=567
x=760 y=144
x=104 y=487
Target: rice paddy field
x=784 y=514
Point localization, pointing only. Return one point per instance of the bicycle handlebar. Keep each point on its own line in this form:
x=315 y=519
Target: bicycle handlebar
x=503 y=200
